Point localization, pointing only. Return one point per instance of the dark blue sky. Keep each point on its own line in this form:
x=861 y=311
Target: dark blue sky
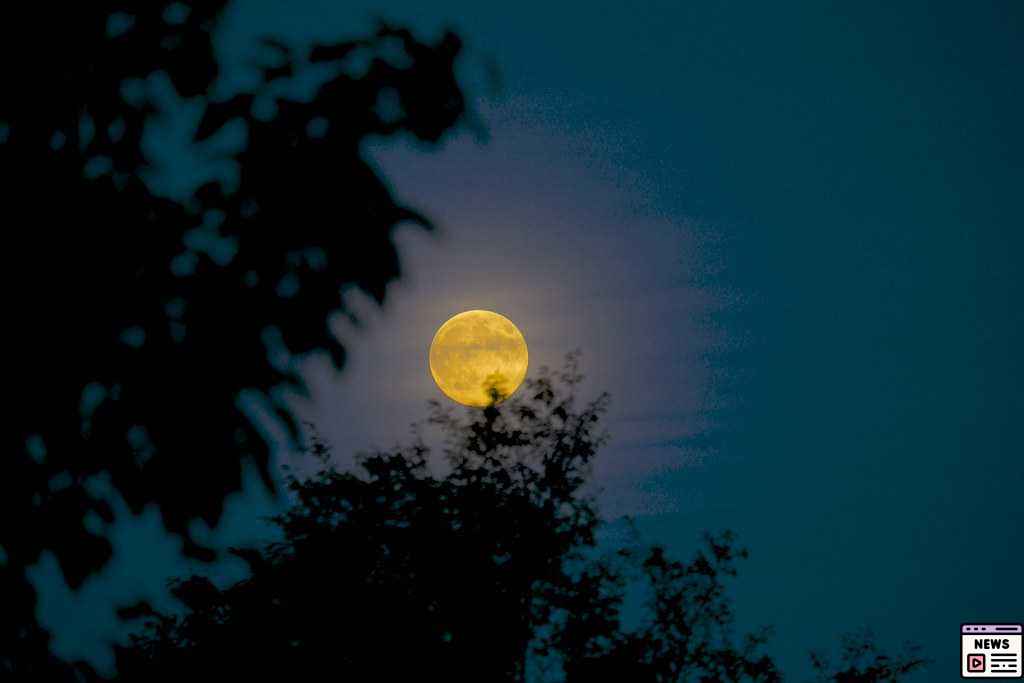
x=785 y=236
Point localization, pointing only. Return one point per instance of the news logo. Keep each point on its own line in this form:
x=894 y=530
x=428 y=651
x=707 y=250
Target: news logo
x=990 y=650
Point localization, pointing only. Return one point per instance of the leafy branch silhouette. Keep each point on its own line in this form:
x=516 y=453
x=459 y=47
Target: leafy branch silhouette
x=145 y=329
x=474 y=560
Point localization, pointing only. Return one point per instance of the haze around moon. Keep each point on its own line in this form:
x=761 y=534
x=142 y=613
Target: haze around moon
x=478 y=357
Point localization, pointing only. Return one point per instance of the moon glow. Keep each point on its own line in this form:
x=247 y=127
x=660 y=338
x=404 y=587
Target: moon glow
x=478 y=357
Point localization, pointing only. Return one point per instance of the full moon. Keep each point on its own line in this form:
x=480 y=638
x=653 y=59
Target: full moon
x=478 y=358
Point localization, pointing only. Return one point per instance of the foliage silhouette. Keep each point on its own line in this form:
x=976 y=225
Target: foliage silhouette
x=861 y=661
x=479 y=565
x=137 y=320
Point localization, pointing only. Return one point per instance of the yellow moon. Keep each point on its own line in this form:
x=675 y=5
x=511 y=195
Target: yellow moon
x=478 y=358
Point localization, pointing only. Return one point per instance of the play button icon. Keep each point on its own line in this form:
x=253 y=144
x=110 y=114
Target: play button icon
x=976 y=663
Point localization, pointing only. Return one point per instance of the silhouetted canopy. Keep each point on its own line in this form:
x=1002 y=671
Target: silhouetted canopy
x=475 y=561
x=138 y=322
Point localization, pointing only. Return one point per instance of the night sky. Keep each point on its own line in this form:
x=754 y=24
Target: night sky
x=785 y=237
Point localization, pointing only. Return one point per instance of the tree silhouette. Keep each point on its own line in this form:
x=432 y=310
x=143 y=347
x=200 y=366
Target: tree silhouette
x=136 y=320
x=861 y=661
x=478 y=563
